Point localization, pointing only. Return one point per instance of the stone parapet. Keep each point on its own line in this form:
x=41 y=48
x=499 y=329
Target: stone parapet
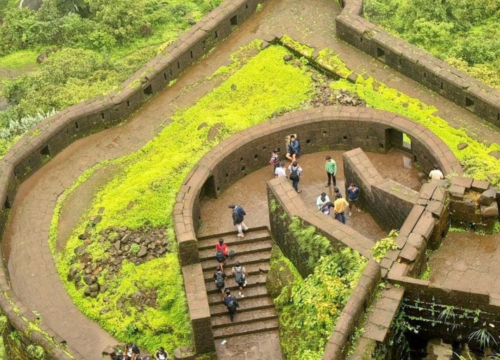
x=417 y=64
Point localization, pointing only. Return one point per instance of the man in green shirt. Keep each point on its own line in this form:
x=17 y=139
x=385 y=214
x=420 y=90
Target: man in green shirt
x=331 y=171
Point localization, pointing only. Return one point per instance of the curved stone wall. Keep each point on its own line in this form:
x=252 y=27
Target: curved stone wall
x=333 y=128
x=54 y=134
x=417 y=64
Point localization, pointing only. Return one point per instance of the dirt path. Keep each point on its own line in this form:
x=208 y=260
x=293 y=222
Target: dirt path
x=32 y=271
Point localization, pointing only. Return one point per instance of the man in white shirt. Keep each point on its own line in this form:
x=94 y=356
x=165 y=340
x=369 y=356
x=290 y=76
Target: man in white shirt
x=280 y=170
x=436 y=174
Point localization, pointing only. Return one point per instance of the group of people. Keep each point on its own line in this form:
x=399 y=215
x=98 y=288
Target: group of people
x=132 y=352
x=240 y=277
x=339 y=204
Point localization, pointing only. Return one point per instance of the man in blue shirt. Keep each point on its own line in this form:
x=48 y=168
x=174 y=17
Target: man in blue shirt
x=352 y=196
x=293 y=148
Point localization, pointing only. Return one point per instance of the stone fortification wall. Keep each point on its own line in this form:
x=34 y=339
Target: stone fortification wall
x=54 y=134
x=322 y=128
x=417 y=64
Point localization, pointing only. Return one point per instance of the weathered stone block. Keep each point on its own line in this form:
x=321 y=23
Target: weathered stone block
x=457 y=191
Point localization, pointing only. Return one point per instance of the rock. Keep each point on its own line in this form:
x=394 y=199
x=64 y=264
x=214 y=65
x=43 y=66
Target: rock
x=487 y=197
x=94 y=294
x=101 y=210
x=94 y=287
x=287 y=57
x=117 y=245
x=490 y=211
x=82 y=237
x=191 y=21
x=104 y=311
x=462 y=146
x=202 y=125
x=143 y=252
x=80 y=250
x=87 y=291
x=104 y=287
x=88 y=241
x=105 y=299
x=78 y=277
x=233 y=87
x=97 y=219
x=125 y=238
x=89 y=279
x=495 y=154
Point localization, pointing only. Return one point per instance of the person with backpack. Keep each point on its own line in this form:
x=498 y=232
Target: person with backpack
x=220 y=280
x=293 y=148
x=231 y=304
x=275 y=160
x=295 y=172
x=132 y=352
x=331 y=171
x=221 y=253
x=238 y=218
x=161 y=354
x=240 y=276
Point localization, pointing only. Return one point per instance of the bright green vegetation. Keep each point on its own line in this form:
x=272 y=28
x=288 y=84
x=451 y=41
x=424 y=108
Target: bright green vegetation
x=94 y=45
x=477 y=163
x=143 y=193
x=383 y=246
x=295 y=45
x=463 y=33
x=309 y=308
x=329 y=60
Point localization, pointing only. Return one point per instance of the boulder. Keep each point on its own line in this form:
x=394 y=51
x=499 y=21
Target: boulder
x=495 y=154
x=89 y=279
x=94 y=287
x=462 y=146
x=287 y=57
x=487 y=197
x=87 y=291
x=80 y=250
x=143 y=252
x=490 y=210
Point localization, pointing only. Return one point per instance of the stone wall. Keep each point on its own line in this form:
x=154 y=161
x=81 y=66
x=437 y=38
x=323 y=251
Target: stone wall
x=417 y=64
x=388 y=201
x=54 y=134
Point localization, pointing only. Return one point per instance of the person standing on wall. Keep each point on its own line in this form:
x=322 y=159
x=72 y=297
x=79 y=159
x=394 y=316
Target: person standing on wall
x=331 y=171
x=295 y=173
x=352 y=197
x=340 y=205
x=293 y=148
x=238 y=218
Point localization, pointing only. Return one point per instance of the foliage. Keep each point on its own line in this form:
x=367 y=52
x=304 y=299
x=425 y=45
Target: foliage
x=463 y=33
x=312 y=245
x=427 y=272
x=297 y=46
x=150 y=180
x=35 y=352
x=383 y=246
x=475 y=159
x=328 y=59
x=483 y=337
x=308 y=309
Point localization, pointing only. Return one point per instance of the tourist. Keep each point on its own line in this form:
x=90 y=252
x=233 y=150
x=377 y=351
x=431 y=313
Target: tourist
x=322 y=199
x=132 y=352
x=231 y=304
x=436 y=174
x=275 y=160
x=118 y=355
x=293 y=148
x=240 y=276
x=161 y=354
x=280 y=170
x=331 y=171
x=352 y=197
x=221 y=253
x=220 y=280
x=238 y=218
x=325 y=208
x=295 y=173
x=340 y=205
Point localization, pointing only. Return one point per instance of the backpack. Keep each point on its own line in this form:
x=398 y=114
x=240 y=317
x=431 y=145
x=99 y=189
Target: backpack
x=219 y=280
x=294 y=175
x=239 y=276
x=230 y=303
x=219 y=255
x=237 y=216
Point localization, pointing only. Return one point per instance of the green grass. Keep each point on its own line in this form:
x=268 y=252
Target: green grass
x=19 y=59
x=150 y=181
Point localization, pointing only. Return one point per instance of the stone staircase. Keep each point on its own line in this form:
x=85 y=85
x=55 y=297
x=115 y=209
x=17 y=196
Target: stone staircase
x=256 y=313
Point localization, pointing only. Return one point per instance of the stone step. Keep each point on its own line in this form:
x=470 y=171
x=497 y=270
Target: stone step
x=240 y=249
x=260 y=256
x=254 y=304
x=230 y=233
x=231 y=284
x=232 y=240
x=246 y=317
x=250 y=293
x=245 y=328
x=252 y=269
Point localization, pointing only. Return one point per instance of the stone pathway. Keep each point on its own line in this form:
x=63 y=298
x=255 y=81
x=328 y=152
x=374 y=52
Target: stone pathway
x=31 y=267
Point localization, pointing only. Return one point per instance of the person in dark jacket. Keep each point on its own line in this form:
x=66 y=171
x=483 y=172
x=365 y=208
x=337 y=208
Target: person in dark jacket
x=220 y=280
x=231 y=304
x=238 y=218
x=293 y=148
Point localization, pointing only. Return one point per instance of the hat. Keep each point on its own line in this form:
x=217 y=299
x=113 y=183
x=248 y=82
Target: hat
x=228 y=291
x=237 y=263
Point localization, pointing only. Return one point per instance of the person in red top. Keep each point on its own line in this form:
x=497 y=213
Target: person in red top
x=221 y=252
